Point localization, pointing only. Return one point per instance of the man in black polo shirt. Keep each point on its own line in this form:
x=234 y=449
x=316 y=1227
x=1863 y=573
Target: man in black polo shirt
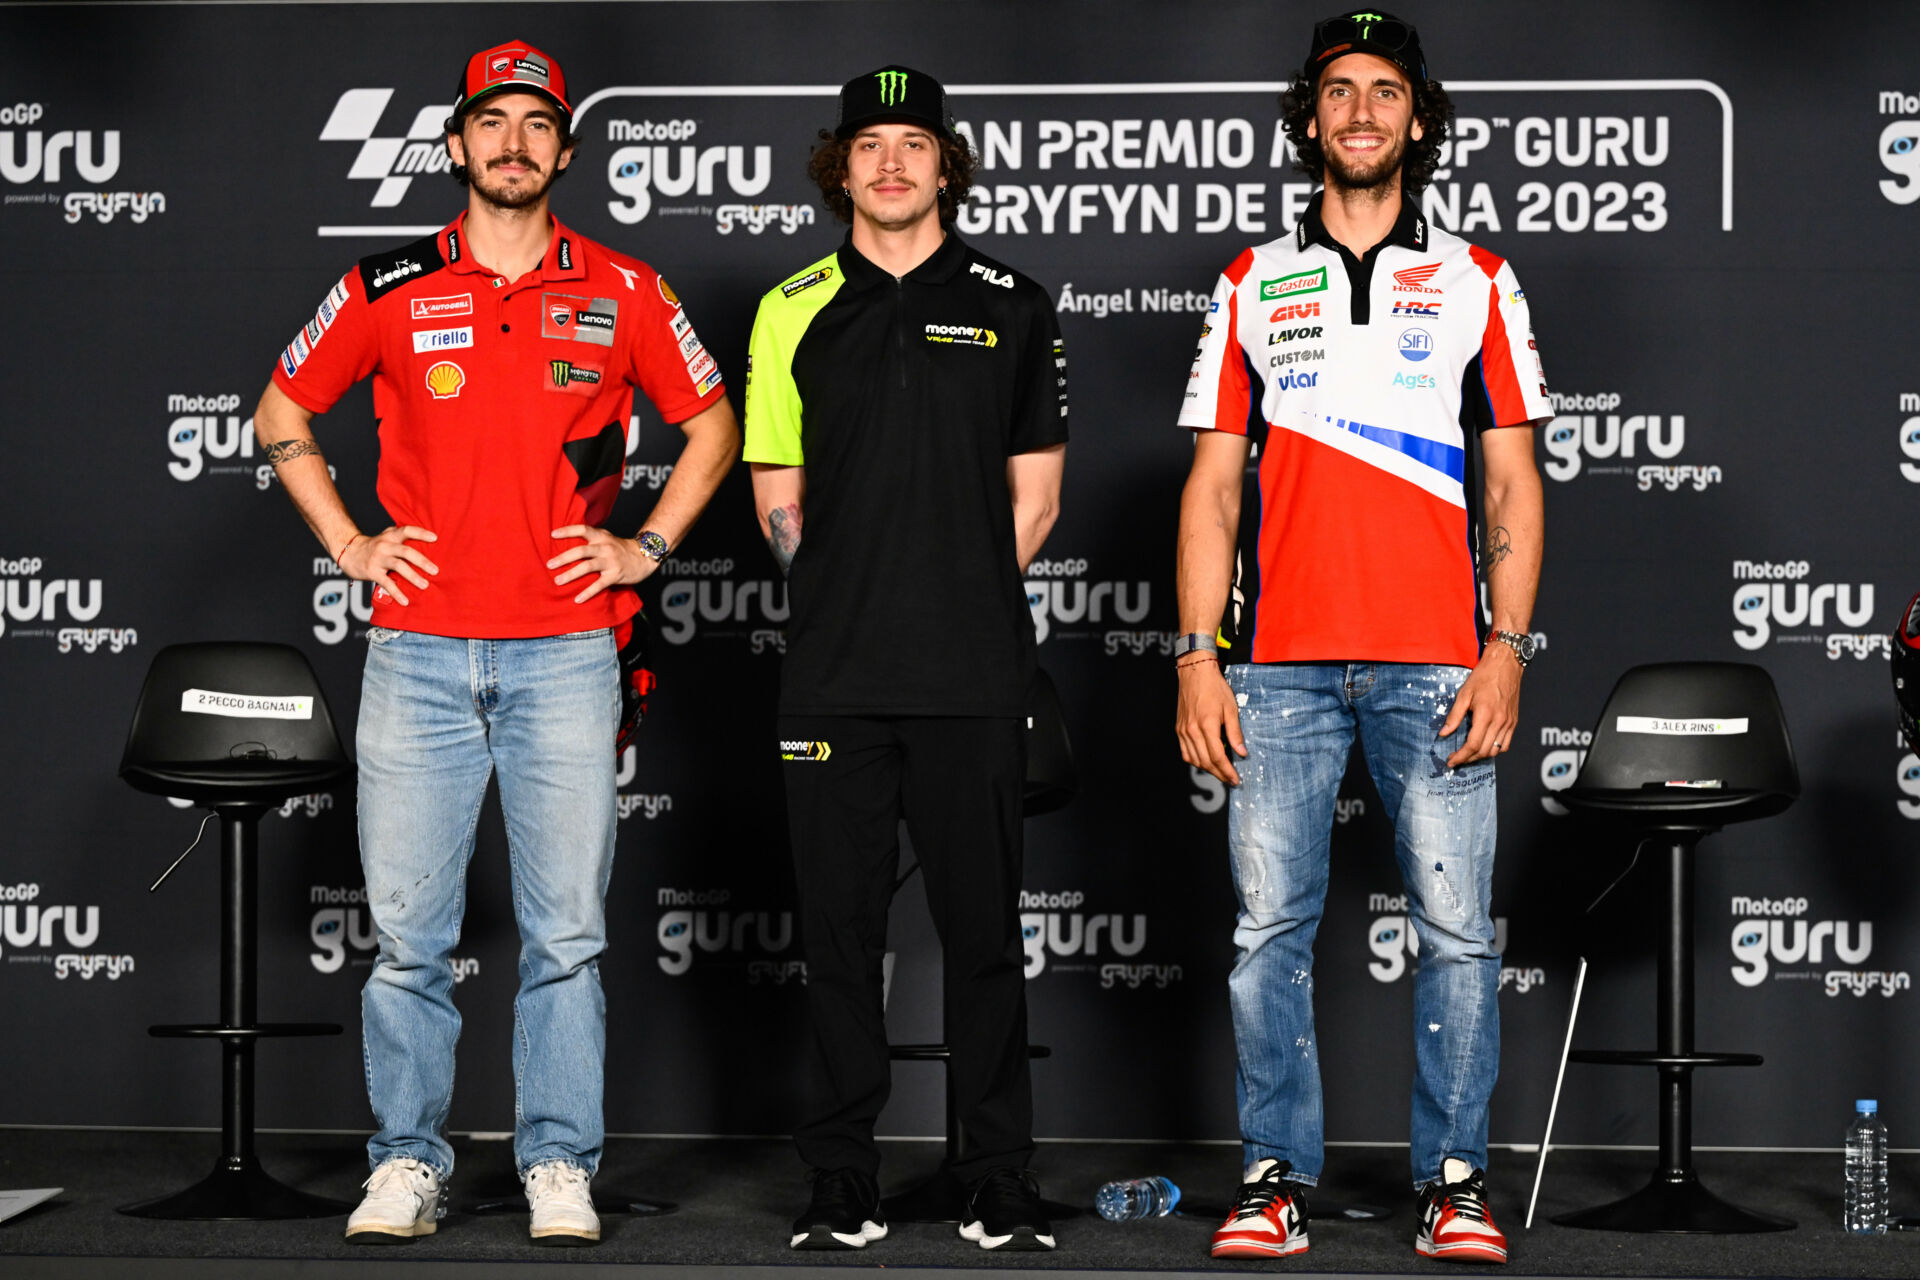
x=907 y=426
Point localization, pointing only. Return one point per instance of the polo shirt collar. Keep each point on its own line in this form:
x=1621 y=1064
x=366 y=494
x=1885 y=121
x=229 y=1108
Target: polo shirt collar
x=944 y=263
x=564 y=260
x=1409 y=229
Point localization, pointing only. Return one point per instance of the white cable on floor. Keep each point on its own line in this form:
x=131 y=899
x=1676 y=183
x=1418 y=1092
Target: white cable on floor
x=1573 y=1016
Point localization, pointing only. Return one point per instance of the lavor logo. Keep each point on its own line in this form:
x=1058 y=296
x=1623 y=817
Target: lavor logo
x=805 y=282
x=1287 y=286
x=566 y=372
x=965 y=335
x=1279 y=336
x=815 y=751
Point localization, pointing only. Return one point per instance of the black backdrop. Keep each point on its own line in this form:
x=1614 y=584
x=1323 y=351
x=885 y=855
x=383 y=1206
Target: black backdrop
x=1715 y=243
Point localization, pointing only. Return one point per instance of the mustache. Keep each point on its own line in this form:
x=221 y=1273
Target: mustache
x=518 y=158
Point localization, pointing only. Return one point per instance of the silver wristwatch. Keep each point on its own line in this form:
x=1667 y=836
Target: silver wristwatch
x=1522 y=645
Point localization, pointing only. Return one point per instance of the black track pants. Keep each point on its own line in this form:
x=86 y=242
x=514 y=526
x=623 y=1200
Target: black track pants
x=957 y=781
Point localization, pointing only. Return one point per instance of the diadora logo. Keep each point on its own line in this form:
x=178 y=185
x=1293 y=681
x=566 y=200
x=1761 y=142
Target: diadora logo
x=1415 y=344
x=1771 y=932
x=732 y=934
x=392 y=161
x=817 y=752
x=962 y=335
x=337 y=598
x=1776 y=595
x=1291 y=311
x=1574 y=438
x=700 y=592
x=1414 y=279
x=1907 y=777
x=1052 y=925
x=1910 y=436
x=1058 y=592
x=1396 y=945
x=1561 y=765
x=1417 y=309
x=34 y=934
x=1001 y=278
x=1415 y=381
x=636 y=173
x=1295 y=378
x=342 y=932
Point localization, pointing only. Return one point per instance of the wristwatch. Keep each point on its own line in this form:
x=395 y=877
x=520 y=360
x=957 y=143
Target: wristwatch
x=1522 y=645
x=652 y=545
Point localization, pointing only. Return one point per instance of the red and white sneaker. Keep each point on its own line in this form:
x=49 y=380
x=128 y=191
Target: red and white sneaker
x=1269 y=1220
x=1455 y=1222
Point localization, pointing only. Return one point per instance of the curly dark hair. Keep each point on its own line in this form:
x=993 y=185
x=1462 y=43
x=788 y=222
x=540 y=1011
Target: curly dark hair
x=1431 y=106
x=827 y=166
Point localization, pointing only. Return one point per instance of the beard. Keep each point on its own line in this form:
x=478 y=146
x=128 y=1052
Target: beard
x=501 y=194
x=1371 y=173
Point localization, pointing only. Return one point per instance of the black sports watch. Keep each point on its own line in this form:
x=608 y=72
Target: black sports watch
x=652 y=545
x=1522 y=645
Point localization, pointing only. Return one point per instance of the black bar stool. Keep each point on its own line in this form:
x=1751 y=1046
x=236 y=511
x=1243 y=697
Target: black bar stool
x=1682 y=749
x=236 y=728
x=1051 y=783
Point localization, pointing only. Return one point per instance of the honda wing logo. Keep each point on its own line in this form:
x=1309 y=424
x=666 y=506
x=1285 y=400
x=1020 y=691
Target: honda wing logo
x=1414 y=277
x=391 y=161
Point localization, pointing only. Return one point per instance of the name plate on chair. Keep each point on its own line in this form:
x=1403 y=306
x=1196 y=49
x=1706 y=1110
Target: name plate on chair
x=1679 y=728
x=248 y=706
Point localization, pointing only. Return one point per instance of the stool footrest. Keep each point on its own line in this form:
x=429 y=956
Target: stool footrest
x=940 y=1052
x=1654 y=1058
x=259 y=1031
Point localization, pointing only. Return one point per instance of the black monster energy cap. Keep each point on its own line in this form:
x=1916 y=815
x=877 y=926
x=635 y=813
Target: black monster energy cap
x=896 y=95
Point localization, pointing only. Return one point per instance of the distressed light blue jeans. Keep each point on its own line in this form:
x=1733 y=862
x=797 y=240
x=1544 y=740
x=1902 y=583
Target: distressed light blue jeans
x=437 y=717
x=1299 y=720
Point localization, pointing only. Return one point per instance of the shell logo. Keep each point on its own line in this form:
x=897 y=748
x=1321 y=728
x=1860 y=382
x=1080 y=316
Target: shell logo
x=445 y=380
x=672 y=298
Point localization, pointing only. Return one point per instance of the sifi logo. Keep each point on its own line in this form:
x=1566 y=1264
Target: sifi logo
x=1415 y=344
x=1052 y=598
x=1571 y=437
x=680 y=932
x=393 y=162
x=684 y=604
x=1066 y=932
x=1561 y=766
x=1770 y=931
x=1775 y=594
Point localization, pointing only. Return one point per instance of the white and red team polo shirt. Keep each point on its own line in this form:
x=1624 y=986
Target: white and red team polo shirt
x=1360 y=380
x=502 y=408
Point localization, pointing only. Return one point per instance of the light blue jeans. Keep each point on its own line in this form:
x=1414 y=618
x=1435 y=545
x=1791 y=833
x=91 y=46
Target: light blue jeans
x=437 y=715
x=1299 y=722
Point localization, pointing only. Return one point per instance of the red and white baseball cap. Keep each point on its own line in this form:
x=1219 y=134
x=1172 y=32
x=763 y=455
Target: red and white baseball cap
x=514 y=66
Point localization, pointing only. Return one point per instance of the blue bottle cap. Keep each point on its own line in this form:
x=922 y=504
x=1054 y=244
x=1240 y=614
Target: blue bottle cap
x=1867 y=1106
x=1175 y=1202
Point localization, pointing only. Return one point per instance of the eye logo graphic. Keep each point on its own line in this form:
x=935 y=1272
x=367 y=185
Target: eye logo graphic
x=893 y=87
x=445 y=380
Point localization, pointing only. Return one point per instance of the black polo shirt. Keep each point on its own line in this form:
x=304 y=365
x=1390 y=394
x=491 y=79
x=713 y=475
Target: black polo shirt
x=903 y=398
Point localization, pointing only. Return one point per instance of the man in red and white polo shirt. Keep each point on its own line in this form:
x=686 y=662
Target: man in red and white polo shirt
x=1361 y=363
x=504 y=352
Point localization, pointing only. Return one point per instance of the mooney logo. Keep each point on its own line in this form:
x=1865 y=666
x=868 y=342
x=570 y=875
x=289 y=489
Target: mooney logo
x=1414 y=279
x=965 y=335
x=893 y=87
x=816 y=751
x=807 y=281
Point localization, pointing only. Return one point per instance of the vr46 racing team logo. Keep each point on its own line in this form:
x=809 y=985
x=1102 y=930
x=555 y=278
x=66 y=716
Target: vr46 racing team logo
x=1775 y=598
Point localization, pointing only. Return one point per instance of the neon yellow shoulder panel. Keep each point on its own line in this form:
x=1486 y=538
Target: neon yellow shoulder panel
x=773 y=398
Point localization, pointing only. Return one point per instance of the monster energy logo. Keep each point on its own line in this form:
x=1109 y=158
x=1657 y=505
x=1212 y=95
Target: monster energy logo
x=893 y=87
x=1366 y=21
x=565 y=371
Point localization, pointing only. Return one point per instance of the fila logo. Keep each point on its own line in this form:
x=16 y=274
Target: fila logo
x=1414 y=279
x=1294 y=311
x=991 y=276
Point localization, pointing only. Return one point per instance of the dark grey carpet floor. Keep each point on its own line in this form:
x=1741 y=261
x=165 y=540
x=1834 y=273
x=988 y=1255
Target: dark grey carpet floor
x=737 y=1197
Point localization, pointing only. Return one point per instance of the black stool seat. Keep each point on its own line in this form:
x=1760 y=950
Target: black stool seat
x=1682 y=750
x=236 y=728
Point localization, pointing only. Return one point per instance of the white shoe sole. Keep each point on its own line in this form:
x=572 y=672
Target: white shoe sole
x=1026 y=1238
x=565 y=1235
x=389 y=1234
x=869 y=1232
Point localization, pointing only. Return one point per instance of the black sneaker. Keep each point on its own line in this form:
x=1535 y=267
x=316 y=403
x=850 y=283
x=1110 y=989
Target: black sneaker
x=845 y=1213
x=1003 y=1212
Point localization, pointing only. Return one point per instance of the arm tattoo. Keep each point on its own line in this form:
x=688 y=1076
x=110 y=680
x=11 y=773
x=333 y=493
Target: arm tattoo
x=1499 y=547
x=287 y=450
x=785 y=538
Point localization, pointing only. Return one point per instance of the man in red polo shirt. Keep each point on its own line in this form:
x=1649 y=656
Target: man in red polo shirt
x=504 y=352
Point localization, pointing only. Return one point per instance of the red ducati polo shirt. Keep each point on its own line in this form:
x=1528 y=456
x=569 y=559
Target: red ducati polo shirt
x=502 y=408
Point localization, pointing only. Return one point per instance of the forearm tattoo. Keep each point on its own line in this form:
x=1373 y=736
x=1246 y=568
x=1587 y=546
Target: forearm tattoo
x=1499 y=547
x=784 y=539
x=287 y=450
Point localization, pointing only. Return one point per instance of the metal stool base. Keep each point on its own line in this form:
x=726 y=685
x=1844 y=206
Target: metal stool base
x=1674 y=1206
x=237 y=1191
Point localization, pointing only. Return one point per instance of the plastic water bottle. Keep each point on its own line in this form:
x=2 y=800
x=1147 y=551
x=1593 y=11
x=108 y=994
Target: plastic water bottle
x=1866 y=1208
x=1139 y=1198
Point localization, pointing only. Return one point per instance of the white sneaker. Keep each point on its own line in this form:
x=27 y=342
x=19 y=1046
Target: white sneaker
x=404 y=1200
x=562 y=1208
